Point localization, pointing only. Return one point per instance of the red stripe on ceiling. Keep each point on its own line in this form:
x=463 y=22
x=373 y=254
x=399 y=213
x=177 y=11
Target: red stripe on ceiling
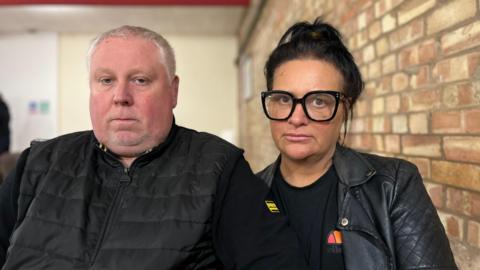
x=129 y=2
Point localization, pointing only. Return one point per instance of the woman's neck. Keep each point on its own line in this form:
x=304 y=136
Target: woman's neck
x=301 y=173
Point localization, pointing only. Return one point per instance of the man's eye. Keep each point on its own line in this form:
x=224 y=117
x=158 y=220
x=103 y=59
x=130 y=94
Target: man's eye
x=140 y=81
x=106 y=81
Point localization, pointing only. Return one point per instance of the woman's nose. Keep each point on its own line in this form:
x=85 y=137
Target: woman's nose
x=298 y=116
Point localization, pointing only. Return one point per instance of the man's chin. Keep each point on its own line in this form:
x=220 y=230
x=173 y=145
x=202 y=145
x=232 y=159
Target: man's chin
x=127 y=147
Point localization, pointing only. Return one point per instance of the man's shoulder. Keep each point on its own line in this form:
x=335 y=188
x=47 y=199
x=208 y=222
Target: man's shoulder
x=67 y=142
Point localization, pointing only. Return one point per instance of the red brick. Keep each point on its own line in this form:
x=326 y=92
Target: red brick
x=368 y=53
x=472 y=121
x=427 y=51
x=455 y=200
x=453 y=225
x=418 y=54
x=392 y=104
x=362 y=107
x=461 y=94
x=382 y=46
x=362 y=38
x=473 y=205
x=379 y=145
x=473 y=62
x=389 y=23
x=436 y=193
x=473 y=234
x=370 y=89
x=404 y=103
x=449 y=14
x=374 y=69
x=368 y=124
x=418 y=123
x=421 y=78
x=362 y=20
x=414 y=9
x=378 y=105
x=399 y=123
x=357 y=125
x=458 y=68
x=380 y=124
x=461 y=39
x=462 y=149
x=400 y=81
x=389 y=64
x=407 y=34
x=420 y=145
x=447 y=122
x=456 y=174
x=392 y=143
x=424 y=100
x=382 y=7
x=375 y=30
x=363 y=142
x=384 y=86
x=408 y=57
x=348 y=15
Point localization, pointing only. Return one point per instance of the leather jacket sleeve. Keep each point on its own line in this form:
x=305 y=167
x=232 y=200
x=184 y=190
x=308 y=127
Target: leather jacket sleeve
x=420 y=241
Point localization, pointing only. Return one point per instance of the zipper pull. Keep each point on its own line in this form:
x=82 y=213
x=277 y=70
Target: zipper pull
x=125 y=178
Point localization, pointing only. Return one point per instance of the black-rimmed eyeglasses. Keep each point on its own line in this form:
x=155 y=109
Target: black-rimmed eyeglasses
x=319 y=105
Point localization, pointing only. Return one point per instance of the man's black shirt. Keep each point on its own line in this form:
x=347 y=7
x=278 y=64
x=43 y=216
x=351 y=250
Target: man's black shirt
x=312 y=212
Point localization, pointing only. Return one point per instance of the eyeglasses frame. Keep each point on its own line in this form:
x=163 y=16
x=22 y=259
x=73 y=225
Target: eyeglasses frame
x=336 y=94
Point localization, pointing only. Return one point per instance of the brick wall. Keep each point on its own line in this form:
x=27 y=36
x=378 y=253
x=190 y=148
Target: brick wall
x=420 y=61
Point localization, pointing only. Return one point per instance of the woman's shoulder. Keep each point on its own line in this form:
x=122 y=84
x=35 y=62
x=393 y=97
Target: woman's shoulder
x=385 y=165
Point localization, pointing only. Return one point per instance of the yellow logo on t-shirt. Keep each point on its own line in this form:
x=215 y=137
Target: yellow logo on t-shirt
x=272 y=207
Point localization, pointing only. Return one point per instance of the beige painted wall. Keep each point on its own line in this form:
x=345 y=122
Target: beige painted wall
x=208 y=83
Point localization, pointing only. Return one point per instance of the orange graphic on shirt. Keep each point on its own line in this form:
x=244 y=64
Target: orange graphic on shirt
x=334 y=238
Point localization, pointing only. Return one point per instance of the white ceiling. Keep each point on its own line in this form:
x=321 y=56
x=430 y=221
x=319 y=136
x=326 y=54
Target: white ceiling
x=178 y=20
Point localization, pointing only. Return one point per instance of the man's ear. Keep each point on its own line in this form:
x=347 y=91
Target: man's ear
x=174 y=88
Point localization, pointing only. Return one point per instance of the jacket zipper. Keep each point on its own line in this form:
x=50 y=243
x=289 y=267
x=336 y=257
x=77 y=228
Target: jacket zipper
x=124 y=181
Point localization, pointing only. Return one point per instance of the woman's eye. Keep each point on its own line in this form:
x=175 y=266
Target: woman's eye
x=319 y=102
x=284 y=100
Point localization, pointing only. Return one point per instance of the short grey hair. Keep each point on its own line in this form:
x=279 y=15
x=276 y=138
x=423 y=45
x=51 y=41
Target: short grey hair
x=125 y=31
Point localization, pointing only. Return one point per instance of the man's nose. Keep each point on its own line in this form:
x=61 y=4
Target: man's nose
x=122 y=94
x=298 y=116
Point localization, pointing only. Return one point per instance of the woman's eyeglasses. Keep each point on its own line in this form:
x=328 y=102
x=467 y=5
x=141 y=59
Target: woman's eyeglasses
x=318 y=105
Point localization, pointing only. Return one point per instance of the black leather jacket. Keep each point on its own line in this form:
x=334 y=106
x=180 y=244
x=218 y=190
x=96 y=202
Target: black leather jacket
x=385 y=214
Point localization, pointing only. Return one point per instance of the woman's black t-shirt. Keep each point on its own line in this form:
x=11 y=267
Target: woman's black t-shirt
x=312 y=212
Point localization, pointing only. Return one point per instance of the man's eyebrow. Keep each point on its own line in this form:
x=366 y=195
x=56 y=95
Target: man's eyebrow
x=106 y=70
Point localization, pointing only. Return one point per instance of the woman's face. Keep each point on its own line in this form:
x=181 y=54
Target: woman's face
x=300 y=138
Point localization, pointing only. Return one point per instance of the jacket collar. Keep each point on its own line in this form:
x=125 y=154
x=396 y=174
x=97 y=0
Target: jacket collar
x=149 y=154
x=351 y=167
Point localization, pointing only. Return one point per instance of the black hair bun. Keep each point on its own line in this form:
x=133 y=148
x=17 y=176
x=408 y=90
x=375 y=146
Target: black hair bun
x=316 y=31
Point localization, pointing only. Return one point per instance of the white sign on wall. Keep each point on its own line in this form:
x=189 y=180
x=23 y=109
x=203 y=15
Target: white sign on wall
x=28 y=83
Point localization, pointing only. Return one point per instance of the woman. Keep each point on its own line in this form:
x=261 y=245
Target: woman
x=350 y=210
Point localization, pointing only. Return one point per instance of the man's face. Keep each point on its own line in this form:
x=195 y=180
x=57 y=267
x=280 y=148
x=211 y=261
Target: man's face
x=131 y=96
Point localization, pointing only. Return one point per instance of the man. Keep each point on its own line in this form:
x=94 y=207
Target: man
x=138 y=192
